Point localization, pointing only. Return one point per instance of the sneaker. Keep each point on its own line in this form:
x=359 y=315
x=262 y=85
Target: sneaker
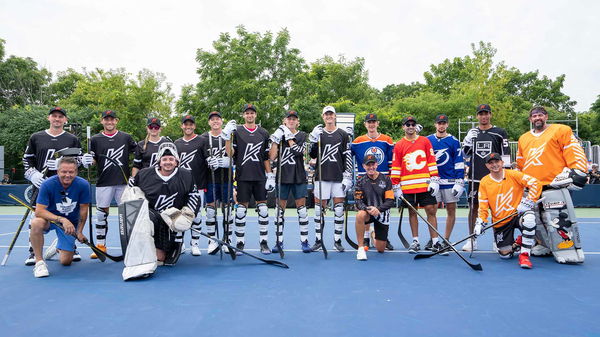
x=240 y=245
x=388 y=245
x=51 y=250
x=438 y=247
x=414 y=247
x=366 y=242
x=317 y=246
x=195 y=250
x=264 y=247
x=76 y=256
x=101 y=247
x=275 y=249
x=516 y=246
x=306 y=247
x=182 y=249
x=429 y=245
x=30 y=261
x=524 y=261
x=338 y=245
x=213 y=247
x=40 y=269
x=539 y=250
x=467 y=247
x=361 y=254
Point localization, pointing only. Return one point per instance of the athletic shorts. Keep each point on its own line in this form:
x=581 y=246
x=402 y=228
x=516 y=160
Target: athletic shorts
x=106 y=194
x=331 y=189
x=446 y=196
x=420 y=199
x=382 y=225
x=246 y=189
x=473 y=192
x=164 y=238
x=298 y=191
x=65 y=241
x=505 y=235
x=219 y=191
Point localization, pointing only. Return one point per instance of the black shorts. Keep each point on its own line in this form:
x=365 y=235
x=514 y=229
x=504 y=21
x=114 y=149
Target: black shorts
x=164 y=238
x=473 y=193
x=505 y=236
x=420 y=199
x=381 y=229
x=246 y=189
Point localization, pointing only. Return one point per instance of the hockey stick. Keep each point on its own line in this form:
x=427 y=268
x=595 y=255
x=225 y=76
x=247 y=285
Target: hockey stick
x=472 y=192
x=101 y=255
x=212 y=175
x=402 y=239
x=279 y=224
x=232 y=248
x=91 y=231
x=229 y=197
x=474 y=266
x=350 y=242
x=322 y=215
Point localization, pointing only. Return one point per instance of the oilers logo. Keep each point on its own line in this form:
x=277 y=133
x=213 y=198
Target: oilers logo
x=377 y=152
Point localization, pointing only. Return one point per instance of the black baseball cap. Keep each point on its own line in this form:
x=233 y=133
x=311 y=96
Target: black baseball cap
x=370 y=158
x=249 y=106
x=153 y=120
x=484 y=107
x=292 y=113
x=441 y=118
x=109 y=113
x=58 y=109
x=186 y=118
x=492 y=156
x=371 y=117
x=408 y=119
x=214 y=113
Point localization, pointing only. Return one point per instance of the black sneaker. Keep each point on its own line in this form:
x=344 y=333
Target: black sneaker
x=30 y=261
x=76 y=256
x=338 y=245
x=429 y=245
x=317 y=246
x=414 y=247
x=437 y=247
x=264 y=248
x=240 y=246
x=367 y=242
x=388 y=245
x=275 y=249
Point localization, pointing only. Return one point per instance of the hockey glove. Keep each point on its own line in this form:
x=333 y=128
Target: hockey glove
x=434 y=186
x=87 y=160
x=270 y=184
x=347 y=182
x=458 y=188
x=525 y=205
x=35 y=176
x=287 y=133
x=350 y=131
x=212 y=162
x=183 y=222
x=397 y=191
x=169 y=216
x=472 y=134
x=224 y=162
x=277 y=135
x=315 y=134
x=228 y=129
x=52 y=164
x=479 y=227
x=419 y=128
x=579 y=180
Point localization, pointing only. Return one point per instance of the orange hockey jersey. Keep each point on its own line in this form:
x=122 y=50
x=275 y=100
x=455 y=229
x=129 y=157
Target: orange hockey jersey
x=502 y=197
x=544 y=155
x=413 y=164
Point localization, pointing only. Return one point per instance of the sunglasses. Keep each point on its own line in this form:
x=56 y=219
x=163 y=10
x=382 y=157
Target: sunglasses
x=64 y=195
x=410 y=124
x=153 y=127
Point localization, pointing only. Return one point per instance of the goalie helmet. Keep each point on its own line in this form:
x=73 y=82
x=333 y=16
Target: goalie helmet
x=168 y=149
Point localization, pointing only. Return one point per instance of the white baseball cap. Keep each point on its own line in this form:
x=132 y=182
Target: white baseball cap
x=329 y=108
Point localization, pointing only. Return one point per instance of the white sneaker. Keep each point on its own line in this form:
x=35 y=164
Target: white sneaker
x=196 y=250
x=76 y=256
x=467 y=247
x=40 y=269
x=361 y=254
x=213 y=247
x=182 y=249
x=539 y=250
x=51 y=250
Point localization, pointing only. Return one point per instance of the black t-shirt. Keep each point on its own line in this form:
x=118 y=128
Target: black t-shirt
x=42 y=146
x=118 y=147
x=191 y=158
x=251 y=152
x=177 y=190
x=292 y=161
x=335 y=151
x=374 y=192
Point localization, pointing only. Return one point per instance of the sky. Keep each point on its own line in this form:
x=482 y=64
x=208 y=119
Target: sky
x=399 y=40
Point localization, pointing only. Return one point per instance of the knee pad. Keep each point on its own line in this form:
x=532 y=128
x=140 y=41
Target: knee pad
x=505 y=252
x=262 y=210
x=211 y=214
x=101 y=216
x=302 y=212
x=240 y=212
x=338 y=209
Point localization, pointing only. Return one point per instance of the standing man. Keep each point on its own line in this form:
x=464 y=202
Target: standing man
x=336 y=167
x=110 y=149
x=147 y=149
x=374 y=198
x=451 y=168
x=552 y=155
x=478 y=143
x=39 y=155
x=63 y=199
x=415 y=176
x=293 y=179
x=189 y=148
x=377 y=144
x=253 y=173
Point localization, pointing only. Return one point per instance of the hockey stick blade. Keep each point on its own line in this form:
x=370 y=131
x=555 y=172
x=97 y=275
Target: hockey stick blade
x=232 y=248
x=350 y=242
x=400 y=236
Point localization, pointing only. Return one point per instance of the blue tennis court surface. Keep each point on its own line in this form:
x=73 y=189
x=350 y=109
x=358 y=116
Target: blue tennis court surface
x=388 y=295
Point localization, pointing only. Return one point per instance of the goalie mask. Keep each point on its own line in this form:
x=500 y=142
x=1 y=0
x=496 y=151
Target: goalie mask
x=168 y=149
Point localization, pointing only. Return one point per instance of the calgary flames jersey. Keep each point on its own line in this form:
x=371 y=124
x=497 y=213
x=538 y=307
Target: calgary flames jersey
x=544 y=155
x=502 y=197
x=413 y=164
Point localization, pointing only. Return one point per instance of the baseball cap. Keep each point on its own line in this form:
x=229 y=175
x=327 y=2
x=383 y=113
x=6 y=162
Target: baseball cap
x=329 y=108
x=58 y=109
x=484 y=107
x=109 y=113
x=370 y=158
x=293 y=113
x=153 y=120
x=492 y=156
x=371 y=117
x=408 y=119
x=214 y=113
x=441 y=118
x=249 y=106
x=188 y=118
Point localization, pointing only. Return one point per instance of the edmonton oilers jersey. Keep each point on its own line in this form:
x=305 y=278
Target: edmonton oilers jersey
x=382 y=147
x=449 y=159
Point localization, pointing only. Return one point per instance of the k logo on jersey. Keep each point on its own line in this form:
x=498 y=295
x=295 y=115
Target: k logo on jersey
x=115 y=155
x=251 y=152
x=533 y=157
x=503 y=202
x=329 y=152
x=442 y=157
x=377 y=152
x=153 y=159
x=217 y=152
x=66 y=206
x=287 y=157
x=186 y=159
x=483 y=148
x=415 y=160
x=163 y=202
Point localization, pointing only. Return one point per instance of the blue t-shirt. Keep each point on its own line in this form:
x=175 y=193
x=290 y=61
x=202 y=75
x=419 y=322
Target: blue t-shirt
x=64 y=202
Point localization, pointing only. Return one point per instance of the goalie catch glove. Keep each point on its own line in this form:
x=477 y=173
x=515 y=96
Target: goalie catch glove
x=169 y=216
x=573 y=179
x=183 y=222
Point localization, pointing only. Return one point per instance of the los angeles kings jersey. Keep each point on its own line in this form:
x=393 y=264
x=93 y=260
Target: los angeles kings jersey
x=476 y=149
x=250 y=153
x=191 y=158
x=118 y=147
x=146 y=152
x=42 y=146
x=413 y=164
x=335 y=153
x=544 y=155
x=292 y=160
x=176 y=190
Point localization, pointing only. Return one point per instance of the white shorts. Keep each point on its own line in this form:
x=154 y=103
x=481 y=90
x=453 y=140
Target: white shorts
x=331 y=189
x=106 y=194
x=446 y=196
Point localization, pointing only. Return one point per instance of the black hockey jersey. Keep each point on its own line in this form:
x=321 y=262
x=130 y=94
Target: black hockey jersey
x=145 y=156
x=335 y=151
x=292 y=161
x=374 y=192
x=191 y=158
x=176 y=190
x=251 y=150
x=118 y=147
x=494 y=139
x=42 y=146
x=214 y=146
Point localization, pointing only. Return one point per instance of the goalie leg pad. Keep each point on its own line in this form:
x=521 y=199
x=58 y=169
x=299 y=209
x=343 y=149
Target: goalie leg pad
x=240 y=222
x=338 y=212
x=317 y=220
x=303 y=221
x=101 y=226
x=263 y=220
